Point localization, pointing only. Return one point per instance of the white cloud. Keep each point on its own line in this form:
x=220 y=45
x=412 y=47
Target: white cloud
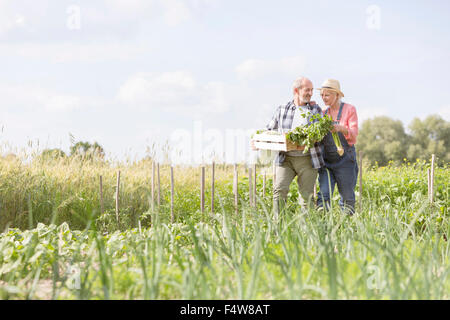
x=444 y=112
x=214 y=97
x=9 y=19
x=31 y=112
x=17 y=16
x=174 y=12
x=73 y=52
x=20 y=20
x=365 y=113
x=129 y=6
x=62 y=103
x=124 y=13
x=173 y=91
x=256 y=68
x=47 y=20
x=19 y=98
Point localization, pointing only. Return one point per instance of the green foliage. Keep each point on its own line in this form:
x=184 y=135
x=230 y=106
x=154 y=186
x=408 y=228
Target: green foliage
x=311 y=133
x=86 y=150
x=382 y=140
x=394 y=247
x=51 y=154
x=376 y=254
x=430 y=136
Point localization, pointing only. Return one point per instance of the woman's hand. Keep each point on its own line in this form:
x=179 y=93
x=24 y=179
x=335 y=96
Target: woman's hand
x=340 y=128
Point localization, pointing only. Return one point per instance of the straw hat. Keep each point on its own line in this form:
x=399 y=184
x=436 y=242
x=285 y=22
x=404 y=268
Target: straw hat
x=333 y=85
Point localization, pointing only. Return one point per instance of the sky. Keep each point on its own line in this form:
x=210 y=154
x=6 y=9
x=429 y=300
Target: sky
x=189 y=80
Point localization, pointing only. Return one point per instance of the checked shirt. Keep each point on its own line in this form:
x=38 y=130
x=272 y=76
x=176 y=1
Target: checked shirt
x=282 y=122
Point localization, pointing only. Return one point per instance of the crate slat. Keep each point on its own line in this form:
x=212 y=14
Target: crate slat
x=280 y=137
x=270 y=146
x=276 y=142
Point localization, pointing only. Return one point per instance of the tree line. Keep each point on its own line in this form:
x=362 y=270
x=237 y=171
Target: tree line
x=81 y=149
x=383 y=139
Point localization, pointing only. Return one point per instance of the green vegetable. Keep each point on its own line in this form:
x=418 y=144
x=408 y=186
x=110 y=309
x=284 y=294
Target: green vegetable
x=264 y=131
x=338 y=144
x=309 y=134
x=315 y=131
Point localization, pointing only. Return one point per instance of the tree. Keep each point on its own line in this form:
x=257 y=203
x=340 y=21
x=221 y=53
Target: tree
x=382 y=139
x=430 y=136
x=87 y=150
x=52 y=154
x=10 y=157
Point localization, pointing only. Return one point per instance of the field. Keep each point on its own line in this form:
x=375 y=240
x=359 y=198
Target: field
x=57 y=245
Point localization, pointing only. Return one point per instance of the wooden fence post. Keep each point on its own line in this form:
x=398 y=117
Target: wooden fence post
x=432 y=178
x=172 y=218
x=212 y=187
x=202 y=189
x=101 y=196
x=153 y=185
x=360 y=179
x=429 y=184
x=236 y=189
x=264 y=184
x=274 y=176
x=159 y=185
x=254 y=185
x=250 y=186
x=117 y=197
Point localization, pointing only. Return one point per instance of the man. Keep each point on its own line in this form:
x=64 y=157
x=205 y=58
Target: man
x=295 y=163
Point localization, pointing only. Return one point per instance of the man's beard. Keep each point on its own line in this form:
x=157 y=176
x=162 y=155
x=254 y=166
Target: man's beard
x=305 y=100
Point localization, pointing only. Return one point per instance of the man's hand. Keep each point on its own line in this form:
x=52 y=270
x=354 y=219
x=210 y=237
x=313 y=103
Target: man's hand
x=252 y=145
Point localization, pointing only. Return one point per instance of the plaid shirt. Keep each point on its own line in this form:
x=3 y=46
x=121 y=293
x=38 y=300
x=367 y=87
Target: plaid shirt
x=282 y=121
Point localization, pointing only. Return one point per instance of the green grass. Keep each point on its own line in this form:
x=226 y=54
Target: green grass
x=305 y=255
x=395 y=247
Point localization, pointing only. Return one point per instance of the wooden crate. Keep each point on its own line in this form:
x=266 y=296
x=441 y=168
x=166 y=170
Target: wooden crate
x=278 y=141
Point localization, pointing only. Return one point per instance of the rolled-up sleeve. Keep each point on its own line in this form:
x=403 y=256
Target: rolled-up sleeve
x=351 y=123
x=273 y=124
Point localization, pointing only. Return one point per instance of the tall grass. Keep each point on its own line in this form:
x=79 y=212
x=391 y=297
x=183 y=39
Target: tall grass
x=304 y=255
x=395 y=247
x=67 y=190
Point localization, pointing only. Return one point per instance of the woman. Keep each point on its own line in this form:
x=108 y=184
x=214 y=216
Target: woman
x=339 y=169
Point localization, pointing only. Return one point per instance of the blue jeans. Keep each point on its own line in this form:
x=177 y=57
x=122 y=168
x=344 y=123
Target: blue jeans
x=345 y=176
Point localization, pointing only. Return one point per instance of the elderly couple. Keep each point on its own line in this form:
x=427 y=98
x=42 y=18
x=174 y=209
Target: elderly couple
x=323 y=159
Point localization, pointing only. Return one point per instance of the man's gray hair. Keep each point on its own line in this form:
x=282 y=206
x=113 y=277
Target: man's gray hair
x=298 y=82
